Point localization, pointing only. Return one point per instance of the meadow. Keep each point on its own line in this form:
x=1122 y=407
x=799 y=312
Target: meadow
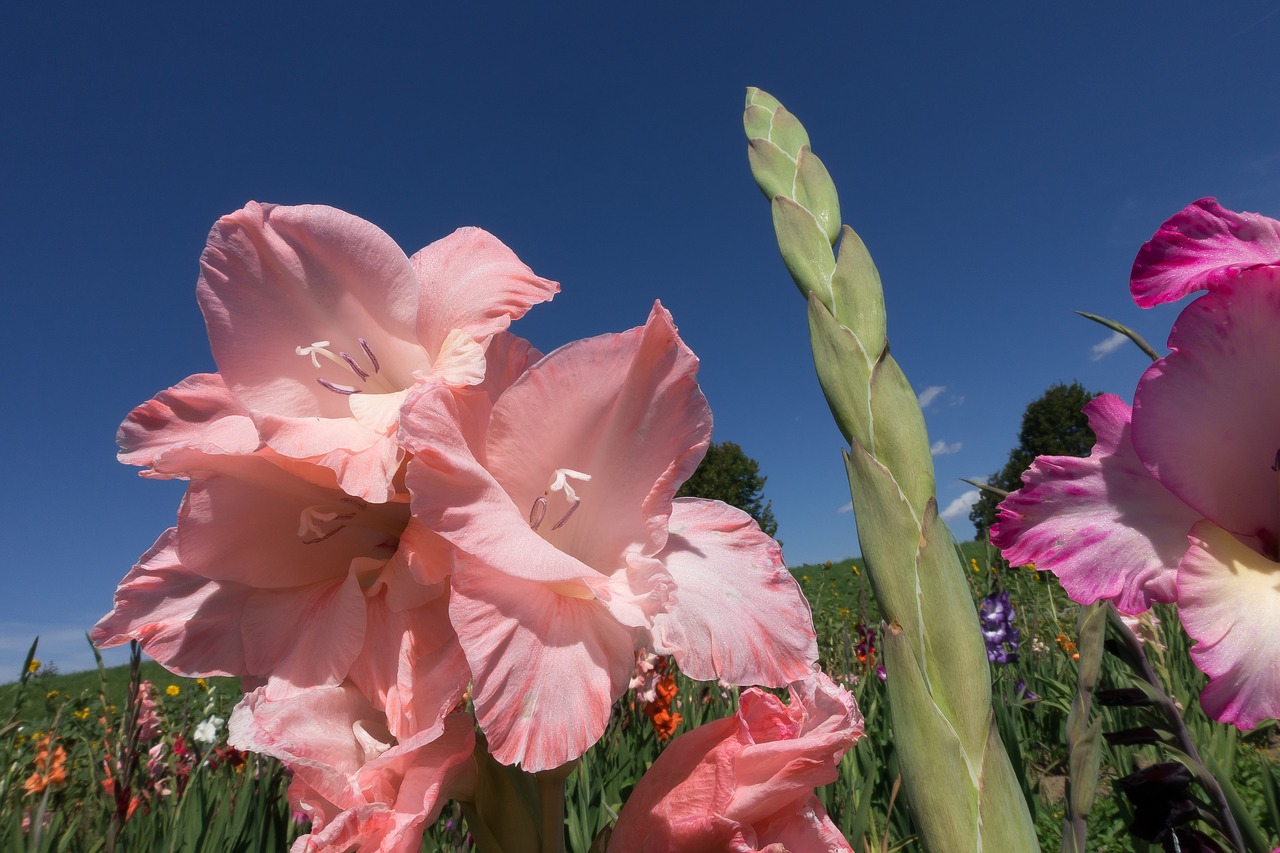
x=85 y=768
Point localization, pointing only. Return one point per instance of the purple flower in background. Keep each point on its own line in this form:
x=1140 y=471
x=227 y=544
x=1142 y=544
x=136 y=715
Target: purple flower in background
x=996 y=612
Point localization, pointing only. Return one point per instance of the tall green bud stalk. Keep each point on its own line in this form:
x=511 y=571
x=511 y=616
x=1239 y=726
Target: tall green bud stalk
x=963 y=793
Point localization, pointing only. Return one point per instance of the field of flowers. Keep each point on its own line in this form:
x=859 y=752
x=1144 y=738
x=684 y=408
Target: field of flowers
x=87 y=769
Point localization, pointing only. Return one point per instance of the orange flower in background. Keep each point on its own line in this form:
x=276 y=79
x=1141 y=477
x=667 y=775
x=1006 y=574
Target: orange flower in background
x=664 y=720
x=51 y=768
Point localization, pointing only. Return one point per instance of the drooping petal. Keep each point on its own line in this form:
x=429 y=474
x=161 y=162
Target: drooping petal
x=1229 y=602
x=198 y=412
x=473 y=283
x=1199 y=248
x=1103 y=525
x=1206 y=418
x=187 y=622
x=547 y=667
x=737 y=614
x=624 y=409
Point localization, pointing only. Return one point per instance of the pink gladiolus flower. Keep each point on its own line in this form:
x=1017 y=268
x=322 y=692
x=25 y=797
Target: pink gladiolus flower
x=571 y=552
x=320 y=326
x=356 y=782
x=745 y=783
x=1179 y=501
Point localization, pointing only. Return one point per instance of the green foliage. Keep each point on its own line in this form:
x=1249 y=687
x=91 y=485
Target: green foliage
x=1053 y=425
x=730 y=475
x=225 y=808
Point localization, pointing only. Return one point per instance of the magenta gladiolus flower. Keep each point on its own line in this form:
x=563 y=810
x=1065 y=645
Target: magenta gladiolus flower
x=745 y=783
x=1180 y=499
x=571 y=552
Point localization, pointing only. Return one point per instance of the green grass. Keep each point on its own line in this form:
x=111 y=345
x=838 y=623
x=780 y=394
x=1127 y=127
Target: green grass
x=245 y=809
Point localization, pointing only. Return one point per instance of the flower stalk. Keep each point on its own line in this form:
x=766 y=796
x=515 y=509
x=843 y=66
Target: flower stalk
x=955 y=770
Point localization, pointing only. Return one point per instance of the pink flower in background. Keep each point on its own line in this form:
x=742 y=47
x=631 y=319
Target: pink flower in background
x=1180 y=499
x=746 y=782
x=571 y=552
x=320 y=326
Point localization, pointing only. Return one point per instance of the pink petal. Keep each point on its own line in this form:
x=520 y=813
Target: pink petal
x=456 y=497
x=474 y=283
x=277 y=278
x=547 y=667
x=807 y=828
x=678 y=803
x=626 y=410
x=1206 y=418
x=364 y=461
x=274 y=279
x=1229 y=602
x=242 y=521
x=305 y=636
x=411 y=667
x=188 y=623
x=733 y=783
x=738 y=615
x=349 y=772
x=198 y=412
x=1199 y=248
x=1103 y=525
x=793 y=749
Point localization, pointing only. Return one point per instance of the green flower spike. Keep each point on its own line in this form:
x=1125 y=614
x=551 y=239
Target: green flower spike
x=956 y=773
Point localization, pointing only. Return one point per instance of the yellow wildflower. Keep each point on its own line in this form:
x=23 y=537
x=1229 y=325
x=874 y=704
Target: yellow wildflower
x=82 y=714
x=33 y=666
x=973 y=564
x=52 y=694
x=854 y=566
x=202 y=684
x=172 y=690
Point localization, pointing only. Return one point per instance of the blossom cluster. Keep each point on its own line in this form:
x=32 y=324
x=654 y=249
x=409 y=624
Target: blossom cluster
x=1178 y=501
x=399 y=514
x=995 y=614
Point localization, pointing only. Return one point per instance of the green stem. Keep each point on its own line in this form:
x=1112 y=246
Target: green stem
x=1166 y=706
x=551 y=798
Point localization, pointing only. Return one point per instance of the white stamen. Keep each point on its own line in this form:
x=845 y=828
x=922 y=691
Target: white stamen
x=560 y=482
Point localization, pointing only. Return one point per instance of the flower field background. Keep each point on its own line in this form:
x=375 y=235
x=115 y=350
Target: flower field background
x=86 y=769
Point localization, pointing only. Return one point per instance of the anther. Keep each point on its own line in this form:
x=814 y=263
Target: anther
x=364 y=345
x=351 y=362
x=338 y=389
x=572 y=509
x=538 y=512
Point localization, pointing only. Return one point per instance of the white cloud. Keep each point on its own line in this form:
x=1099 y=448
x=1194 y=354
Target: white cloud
x=1104 y=348
x=846 y=508
x=959 y=508
x=929 y=394
x=941 y=448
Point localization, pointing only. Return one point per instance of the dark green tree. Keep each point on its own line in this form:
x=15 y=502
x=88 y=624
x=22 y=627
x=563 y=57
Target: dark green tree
x=1053 y=425
x=727 y=474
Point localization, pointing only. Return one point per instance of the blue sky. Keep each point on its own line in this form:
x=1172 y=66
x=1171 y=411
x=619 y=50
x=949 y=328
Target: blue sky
x=1003 y=162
